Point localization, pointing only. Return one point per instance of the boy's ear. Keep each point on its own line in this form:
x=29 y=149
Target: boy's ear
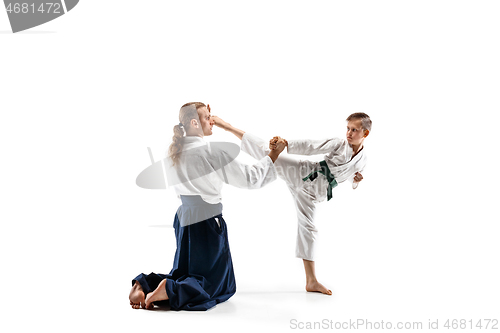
x=366 y=133
x=194 y=122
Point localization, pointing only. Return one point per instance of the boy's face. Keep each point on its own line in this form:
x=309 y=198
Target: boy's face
x=355 y=133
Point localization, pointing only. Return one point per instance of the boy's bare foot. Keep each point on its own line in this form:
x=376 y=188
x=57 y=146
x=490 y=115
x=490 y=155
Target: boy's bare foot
x=137 y=296
x=159 y=294
x=312 y=283
x=315 y=286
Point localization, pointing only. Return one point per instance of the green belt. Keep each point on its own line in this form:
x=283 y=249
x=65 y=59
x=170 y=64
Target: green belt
x=329 y=177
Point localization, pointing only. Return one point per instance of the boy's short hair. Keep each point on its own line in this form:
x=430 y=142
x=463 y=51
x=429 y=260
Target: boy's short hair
x=365 y=120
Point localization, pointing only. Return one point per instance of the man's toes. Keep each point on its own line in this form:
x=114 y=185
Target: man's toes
x=135 y=305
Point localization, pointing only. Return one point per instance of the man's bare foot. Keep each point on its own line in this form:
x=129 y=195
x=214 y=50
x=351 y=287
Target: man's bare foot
x=315 y=286
x=137 y=296
x=159 y=294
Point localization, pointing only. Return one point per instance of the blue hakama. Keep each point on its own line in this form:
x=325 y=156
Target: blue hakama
x=202 y=274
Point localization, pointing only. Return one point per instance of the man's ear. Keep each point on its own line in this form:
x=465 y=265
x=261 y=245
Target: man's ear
x=194 y=123
x=366 y=133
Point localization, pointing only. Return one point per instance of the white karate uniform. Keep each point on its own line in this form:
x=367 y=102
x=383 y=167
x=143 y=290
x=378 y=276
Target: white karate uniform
x=307 y=193
x=202 y=170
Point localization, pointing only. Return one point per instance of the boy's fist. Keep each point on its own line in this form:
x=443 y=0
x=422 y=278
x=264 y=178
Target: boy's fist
x=358 y=177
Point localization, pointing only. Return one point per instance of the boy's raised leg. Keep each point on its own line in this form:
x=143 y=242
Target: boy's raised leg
x=312 y=283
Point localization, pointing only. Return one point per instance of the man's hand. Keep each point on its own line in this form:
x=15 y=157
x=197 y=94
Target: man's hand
x=278 y=142
x=277 y=145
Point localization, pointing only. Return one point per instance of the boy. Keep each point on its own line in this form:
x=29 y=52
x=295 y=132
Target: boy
x=311 y=182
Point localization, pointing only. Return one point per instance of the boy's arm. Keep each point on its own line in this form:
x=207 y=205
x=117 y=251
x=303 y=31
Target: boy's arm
x=250 y=144
x=313 y=147
x=227 y=127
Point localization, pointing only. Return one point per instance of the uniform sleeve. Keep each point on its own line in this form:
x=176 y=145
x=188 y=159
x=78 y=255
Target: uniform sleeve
x=313 y=147
x=247 y=176
x=254 y=146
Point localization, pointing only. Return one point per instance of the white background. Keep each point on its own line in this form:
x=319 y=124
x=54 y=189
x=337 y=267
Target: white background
x=83 y=96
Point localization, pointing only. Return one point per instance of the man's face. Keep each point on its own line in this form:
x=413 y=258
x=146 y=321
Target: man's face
x=355 y=133
x=206 y=122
